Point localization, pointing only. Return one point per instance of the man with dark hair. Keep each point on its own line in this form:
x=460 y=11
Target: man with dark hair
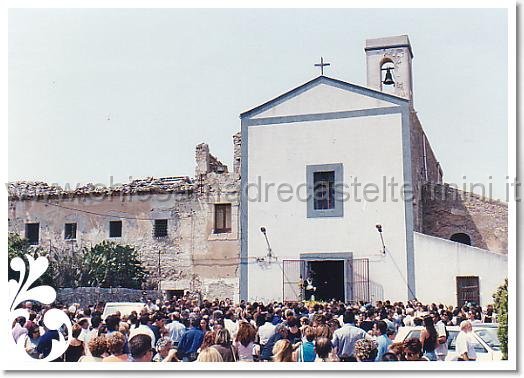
x=190 y=341
x=383 y=341
x=266 y=330
x=158 y=326
x=140 y=348
x=294 y=335
x=112 y=324
x=344 y=338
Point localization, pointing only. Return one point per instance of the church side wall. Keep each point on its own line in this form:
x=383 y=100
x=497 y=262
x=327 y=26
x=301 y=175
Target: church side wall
x=448 y=211
x=439 y=262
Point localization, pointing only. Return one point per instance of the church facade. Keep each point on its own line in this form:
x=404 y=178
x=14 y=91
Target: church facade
x=338 y=185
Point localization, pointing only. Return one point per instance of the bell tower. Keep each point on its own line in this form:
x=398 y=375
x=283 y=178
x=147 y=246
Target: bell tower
x=388 y=62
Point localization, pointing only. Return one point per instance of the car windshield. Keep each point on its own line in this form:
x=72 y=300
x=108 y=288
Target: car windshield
x=489 y=336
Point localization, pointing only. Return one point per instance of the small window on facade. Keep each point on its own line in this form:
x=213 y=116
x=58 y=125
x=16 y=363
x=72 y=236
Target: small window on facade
x=460 y=237
x=32 y=233
x=222 y=218
x=115 y=229
x=324 y=190
x=160 y=229
x=70 y=231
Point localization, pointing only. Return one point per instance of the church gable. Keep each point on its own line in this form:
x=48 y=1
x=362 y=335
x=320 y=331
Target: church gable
x=323 y=95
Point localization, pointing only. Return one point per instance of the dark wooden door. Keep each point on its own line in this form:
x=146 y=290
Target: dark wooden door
x=468 y=290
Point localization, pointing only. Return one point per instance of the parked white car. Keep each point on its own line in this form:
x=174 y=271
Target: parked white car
x=125 y=308
x=487 y=343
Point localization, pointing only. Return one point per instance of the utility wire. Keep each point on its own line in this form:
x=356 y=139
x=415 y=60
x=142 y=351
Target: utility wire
x=95 y=213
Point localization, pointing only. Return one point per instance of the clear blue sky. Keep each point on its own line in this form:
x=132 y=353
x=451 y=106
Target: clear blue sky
x=95 y=93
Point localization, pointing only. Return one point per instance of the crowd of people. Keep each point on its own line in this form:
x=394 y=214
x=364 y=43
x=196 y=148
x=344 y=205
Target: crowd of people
x=187 y=330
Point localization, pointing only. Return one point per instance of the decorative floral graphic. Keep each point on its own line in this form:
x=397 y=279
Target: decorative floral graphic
x=20 y=291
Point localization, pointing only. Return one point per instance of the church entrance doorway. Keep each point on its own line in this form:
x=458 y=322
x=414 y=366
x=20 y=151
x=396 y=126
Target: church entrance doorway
x=328 y=278
x=333 y=275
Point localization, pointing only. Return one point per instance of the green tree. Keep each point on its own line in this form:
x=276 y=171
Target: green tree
x=501 y=308
x=104 y=265
x=112 y=265
x=66 y=267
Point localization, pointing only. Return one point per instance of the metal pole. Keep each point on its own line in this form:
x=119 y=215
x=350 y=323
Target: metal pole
x=159 y=274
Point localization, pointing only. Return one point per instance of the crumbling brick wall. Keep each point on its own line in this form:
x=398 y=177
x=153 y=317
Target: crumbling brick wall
x=447 y=211
x=424 y=166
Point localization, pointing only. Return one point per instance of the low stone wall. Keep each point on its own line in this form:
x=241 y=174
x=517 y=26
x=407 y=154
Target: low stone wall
x=92 y=295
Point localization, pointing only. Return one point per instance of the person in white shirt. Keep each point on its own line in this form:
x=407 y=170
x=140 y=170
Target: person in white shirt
x=408 y=319
x=231 y=324
x=473 y=318
x=266 y=330
x=465 y=345
x=442 y=341
x=143 y=329
x=18 y=329
x=150 y=306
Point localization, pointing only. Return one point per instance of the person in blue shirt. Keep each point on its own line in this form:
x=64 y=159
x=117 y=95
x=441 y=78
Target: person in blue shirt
x=383 y=341
x=306 y=350
x=277 y=317
x=46 y=342
x=267 y=351
x=190 y=342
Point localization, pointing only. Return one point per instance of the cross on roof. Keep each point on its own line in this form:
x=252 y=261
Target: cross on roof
x=322 y=65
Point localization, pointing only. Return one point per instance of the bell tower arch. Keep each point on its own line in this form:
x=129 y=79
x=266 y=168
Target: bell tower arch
x=389 y=67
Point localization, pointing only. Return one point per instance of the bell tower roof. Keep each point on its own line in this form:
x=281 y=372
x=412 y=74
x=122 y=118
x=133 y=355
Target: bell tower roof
x=389 y=42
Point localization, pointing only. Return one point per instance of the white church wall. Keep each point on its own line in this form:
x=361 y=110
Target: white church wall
x=370 y=148
x=439 y=261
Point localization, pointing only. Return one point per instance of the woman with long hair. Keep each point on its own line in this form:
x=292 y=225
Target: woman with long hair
x=324 y=350
x=204 y=325
x=413 y=350
x=323 y=330
x=209 y=340
x=224 y=346
x=283 y=351
x=245 y=341
x=428 y=338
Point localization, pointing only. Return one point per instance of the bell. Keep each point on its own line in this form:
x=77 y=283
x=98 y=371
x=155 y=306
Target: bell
x=388 y=80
